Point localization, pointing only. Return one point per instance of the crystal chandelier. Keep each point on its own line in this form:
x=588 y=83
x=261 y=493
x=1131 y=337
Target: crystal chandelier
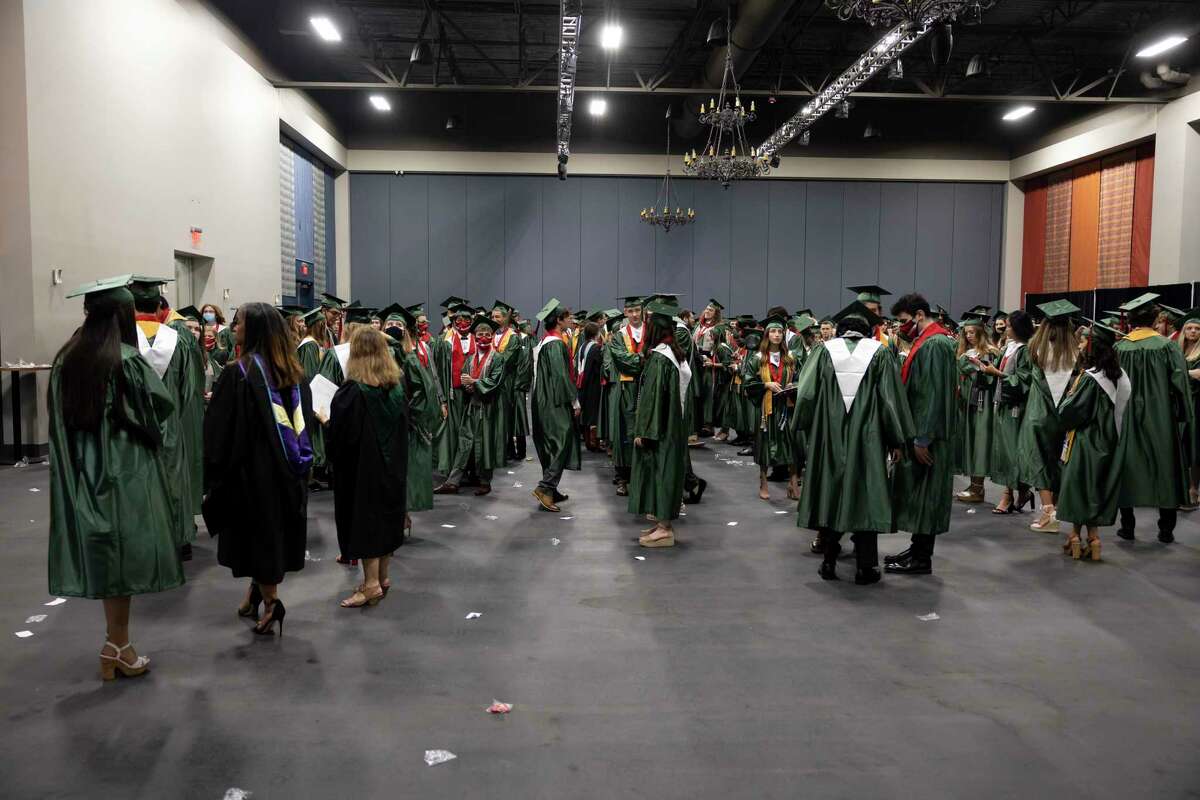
x=726 y=156
x=917 y=12
x=667 y=219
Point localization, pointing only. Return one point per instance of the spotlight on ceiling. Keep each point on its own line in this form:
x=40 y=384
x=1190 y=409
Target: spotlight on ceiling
x=454 y=123
x=843 y=109
x=976 y=66
x=610 y=36
x=896 y=70
x=1020 y=112
x=325 y=29
x=597 y=106
x=421 y=54
x=941 y=44
x=1161 y=46
x=380 y=102
x=872 y=131
x=718 y=35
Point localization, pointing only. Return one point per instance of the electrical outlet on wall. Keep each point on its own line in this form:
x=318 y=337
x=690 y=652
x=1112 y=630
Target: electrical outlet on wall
x=56 y=278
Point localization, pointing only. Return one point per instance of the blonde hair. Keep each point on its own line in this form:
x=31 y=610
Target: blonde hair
x=1192 y=352
x=351 y=328
x=371 y=359
x=983 y=340
x=1054 y=346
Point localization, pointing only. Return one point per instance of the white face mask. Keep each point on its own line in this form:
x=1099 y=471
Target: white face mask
x=210 y=317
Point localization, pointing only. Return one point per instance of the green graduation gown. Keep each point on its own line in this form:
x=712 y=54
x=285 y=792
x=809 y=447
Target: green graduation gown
x=659 y=466
x=623 y=398
x=607 y=376
x=446 y=445
x=976 y=403
x=924 y=494
x=846 y=483
x=723 y=378
x=520 y=376
x=1093 y=414
x=226 y=346
x=424 y=417
x=309 y=355
x=1040 y=437
x=774 y=444
x=553 y=407
x=484 y=427
x=191 y=416
x=746 y=412
x=1158 y=451
x=113 y=530
x=1194 y=383
x=1009 y=407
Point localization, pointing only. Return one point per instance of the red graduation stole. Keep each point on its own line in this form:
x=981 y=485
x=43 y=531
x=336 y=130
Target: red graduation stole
x=422 y=353
x=458 y=357
x=932 y=329
x=571 y=358
x=479 y=364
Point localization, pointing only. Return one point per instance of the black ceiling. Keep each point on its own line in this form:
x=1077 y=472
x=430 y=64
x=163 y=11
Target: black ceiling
x=503 y=51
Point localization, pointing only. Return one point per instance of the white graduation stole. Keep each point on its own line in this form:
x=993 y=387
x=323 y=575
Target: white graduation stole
x=305 y=341
x=1118 y=393
x=685 y=372
x=342 y=351
x=1058 y=382
x=159 y=354
x=850 y=366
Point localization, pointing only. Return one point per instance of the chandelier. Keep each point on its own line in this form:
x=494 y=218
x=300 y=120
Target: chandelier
x=667 y=219
x=726 y=156
x=916 y=12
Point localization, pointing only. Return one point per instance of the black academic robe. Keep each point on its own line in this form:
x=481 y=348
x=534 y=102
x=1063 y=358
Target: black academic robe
x=367 y=443
x=254 y=504
x=589 y=384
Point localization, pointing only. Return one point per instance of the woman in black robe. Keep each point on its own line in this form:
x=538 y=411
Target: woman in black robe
x=257 y=456
x=366 y=440
x=588 y=373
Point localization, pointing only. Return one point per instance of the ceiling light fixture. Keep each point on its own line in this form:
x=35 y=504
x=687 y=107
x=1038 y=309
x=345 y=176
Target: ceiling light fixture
x=1017 y=113
x=597 y=106
x=325 y=29
x=610 y=36
x=1161 y=46
x=380 y=102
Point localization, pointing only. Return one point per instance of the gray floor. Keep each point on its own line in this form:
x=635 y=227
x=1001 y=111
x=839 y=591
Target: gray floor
x=722 y=668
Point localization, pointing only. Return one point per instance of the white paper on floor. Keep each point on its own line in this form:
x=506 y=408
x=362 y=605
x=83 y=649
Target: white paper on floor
x=447 y=525
x=780 y=512
x=640 y=558
x=35 y=490
x=235 y=793
x=510 y=472
x=473 y=615
x=36 y=618
x=970 y=511
x=928 y=617
x=556 y=542
x=566 y=518
x=435 y=757
x=490 y=516
x=518 y=485
x=308 y=557
x=24 y=634
x=731 y=524
x=58 y=601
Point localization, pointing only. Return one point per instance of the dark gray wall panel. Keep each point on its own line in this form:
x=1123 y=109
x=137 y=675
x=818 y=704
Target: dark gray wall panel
x=748 y=284
x=785 y=243
x=823 y=248
x=935 y=241
x=598 y=242
x=711 y=246
x=522 y=243
x=635 y=244
x=370 y=239
x=447 y=240
x=972 y=245
x=995 y=246
x=560 y=241
x=485 y=238
x=860 y=234
x=673 y=251
x=898 y=237
x=410 y=240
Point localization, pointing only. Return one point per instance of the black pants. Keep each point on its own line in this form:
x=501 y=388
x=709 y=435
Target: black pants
x=921 y=545
x=866 y=547
x=623 y=474
x=1166 y=519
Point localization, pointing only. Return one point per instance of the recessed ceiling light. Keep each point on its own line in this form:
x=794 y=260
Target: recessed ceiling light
x=610 y=36
x=380 y=102
x=1161 y=46
x=597 y=107
x=325 y=29
x=1018 y=113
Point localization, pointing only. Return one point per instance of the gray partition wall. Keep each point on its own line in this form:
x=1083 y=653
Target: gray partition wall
x=418 y=238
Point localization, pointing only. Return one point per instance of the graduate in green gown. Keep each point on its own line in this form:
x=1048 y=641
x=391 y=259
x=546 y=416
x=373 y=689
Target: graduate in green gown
x=624 y=350
x=613 y=318
x=723 y=356
x=1093 y=414
x=455 y=346
x=482 y=438
x=508 y=341
x=1159 y=452
x=1189 y=342
x=767 y=374
x=174 y=355
x=1014 y=376
x=114 y=530
x=659 y=433
x=335 y=319
x=310 y=354
x=923 y=490
x=334 y=359
x=705 y=335
x=1053 y=352
x=852 y=410
x=976 y=390
x=555 y=407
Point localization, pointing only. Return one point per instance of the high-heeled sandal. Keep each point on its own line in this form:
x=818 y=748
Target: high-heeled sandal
x=1007 y=509
x=1025 y=497
x=110 y=666
x=1094 y=549
x=275 y=613
x=1074 y=547
x=251 y=607
x=1048 y=522
x=373 y=600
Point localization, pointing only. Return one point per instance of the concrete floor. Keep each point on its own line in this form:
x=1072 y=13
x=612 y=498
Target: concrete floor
x=723 y=668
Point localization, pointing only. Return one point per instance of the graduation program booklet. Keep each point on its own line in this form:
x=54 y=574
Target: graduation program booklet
x=323 y=391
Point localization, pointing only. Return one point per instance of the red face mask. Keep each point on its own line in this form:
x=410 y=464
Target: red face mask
x=907 y=329
x=422 y=327
x=463 y=325
x=483 y=339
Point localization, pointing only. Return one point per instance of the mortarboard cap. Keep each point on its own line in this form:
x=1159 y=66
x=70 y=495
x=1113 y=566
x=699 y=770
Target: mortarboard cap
x=189 y=312
x=774 y=322
x=632 y=300
x=359 y=313
x=804 y=322
x=1172 y=312
x=417 y=310
x=716 y=304
x=461 y=310
x=102 y=285
x=482 y=319
x=503 y=306
x=1057 y=309
x=663 y=307
x=454 y=300
x=391 y=312
x=331 y=301
x=857 y=309
x=317 y=313
x=552 y=307
x=869 y=294
x=1101 y=332
x=147 y=287
x=1191 y=315
x=1138 y=302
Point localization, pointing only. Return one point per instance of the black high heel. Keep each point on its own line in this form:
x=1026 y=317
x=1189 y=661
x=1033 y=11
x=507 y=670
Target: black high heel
x=276 y=612
x=251 y=608
x=1025 y=498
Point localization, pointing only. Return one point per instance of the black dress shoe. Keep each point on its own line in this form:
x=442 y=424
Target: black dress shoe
x=1166 y=537
x=900 y=558
x=865 y=577
x=185 y=552
x=817 y=547
x=749 y=451
x=1126 y=534
x=622 y=489
x=559 y=497
x=913 y=566
x=828 y=571
x=697 y=491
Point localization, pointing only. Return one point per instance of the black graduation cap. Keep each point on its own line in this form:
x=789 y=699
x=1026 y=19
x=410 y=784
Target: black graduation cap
x=482 y=319
x=147 y=287
x=1172 y=312
x=980 y=311
x=417 y=310
x=597 y=315
x=663 y=306
x=503 y=306
x=359 y=313
x=716 y=304
x=189 y=312
x=869 y=294
x=632 y=300
x=454 y=300
x=392 y=312
x=857 y=309
x=775 y=321
x=461 y=310
x=1191 y=315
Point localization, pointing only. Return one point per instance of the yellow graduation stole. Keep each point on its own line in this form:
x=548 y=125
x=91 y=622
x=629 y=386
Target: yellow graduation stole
x=632 y=346
x=1140 y=333
x=504 y=340
x=1069 y=442
x=764 y=372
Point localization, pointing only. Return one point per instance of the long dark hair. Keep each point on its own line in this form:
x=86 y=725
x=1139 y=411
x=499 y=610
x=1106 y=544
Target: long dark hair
x=1103 y=356
x=662 y=329
x=266 y=334
x=91 y=358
